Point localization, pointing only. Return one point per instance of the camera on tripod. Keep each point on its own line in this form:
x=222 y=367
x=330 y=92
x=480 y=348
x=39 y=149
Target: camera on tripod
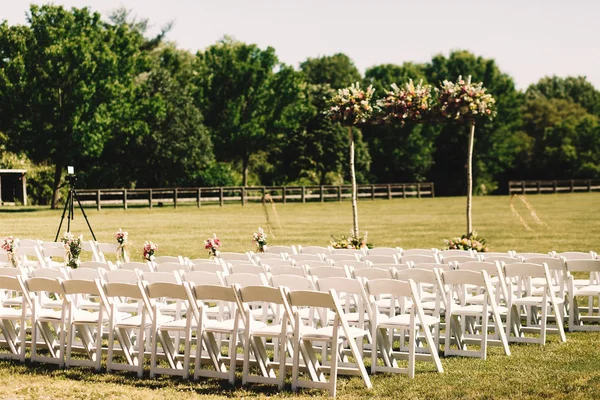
x=71 y=177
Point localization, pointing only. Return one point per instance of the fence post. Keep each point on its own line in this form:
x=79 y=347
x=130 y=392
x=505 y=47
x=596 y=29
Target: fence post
x=539 y=187
x=572 y=185
x=419 y=190
x=175 y=198
x=243 y=196
x=555 y=187
x=303 y=194
x=523 y=186
x=372 y=192
x=432 y=190
x=322 y=194
x=150 y=198
x=283 y=194
x=264 y=192
x=125 y=199
x=199 y=197
x=589 y=185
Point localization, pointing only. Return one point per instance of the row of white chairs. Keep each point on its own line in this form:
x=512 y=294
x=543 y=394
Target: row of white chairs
x=467 y=317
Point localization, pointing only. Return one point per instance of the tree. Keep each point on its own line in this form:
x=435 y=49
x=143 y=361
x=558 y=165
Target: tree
x=245 y=95
x=338 y=71
x=65 y=71
x=576 y=89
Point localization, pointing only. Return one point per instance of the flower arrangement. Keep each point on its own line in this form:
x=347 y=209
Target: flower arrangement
x=212 y=245
x=9 y=245
x=352 y=105
x=351 y=242
x=463 y=101
x=260 y=240
x=409 y=103
x=467 y=242
x=73 y=245
x=121 y=238
x=150 y=249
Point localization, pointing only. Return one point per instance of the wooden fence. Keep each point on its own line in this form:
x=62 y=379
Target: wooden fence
x=243 y=195
x=573 y=185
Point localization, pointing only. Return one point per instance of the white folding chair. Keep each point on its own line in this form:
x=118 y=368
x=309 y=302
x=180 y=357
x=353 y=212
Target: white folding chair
x=168 y=259
x=167 y=332
x=411 y=318
x=419 y=259
x=334 y=332
x=247 y=269
x=13 y=321
x=467 y=323
x=199 y=297
x=286 y=270
x=89 y=246
x=457 y=259
x=272 y=369
x=54 y=257
x=84 y=321
x=47 y=324
x=133 y=265
x=97 y=265
x=207 y=267
x=171 y=267
x=530 y=312
x=105 y=249
x=579 y=315
x=325 y=272
x=381 y=259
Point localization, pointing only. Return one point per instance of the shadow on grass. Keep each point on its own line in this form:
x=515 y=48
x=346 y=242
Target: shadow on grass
x=14 y=210
x=202 y=386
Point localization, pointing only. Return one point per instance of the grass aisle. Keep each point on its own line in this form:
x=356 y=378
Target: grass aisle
x=571 y=222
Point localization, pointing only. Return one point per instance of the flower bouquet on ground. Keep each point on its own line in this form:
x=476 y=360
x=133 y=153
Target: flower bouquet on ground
x=123 y=249
x=467 y=242
x=150 y=249
x=73 y=246
x=212 y=245
x=351 y=242
x=260 y=240
x=9 y=245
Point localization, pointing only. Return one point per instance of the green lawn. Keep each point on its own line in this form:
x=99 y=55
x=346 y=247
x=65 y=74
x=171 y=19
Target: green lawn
x=558 y=370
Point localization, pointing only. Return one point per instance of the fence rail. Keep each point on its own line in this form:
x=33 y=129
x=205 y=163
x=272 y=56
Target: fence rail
x=557 y=186
x=243 y=195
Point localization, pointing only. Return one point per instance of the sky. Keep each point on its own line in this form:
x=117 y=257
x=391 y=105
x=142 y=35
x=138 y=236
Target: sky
x=529 y=39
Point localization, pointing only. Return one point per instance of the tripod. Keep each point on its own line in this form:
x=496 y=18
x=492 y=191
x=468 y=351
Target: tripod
x=69 y=205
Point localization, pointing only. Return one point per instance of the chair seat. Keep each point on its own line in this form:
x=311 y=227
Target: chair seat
x=52 y=304
x=305 y=314
x=87 y=317
x=9 y=313
x=532 y=301
x=49 y=315
x=226 y=326
x=13 y=301
x=310 y=333
x=136 y=321
x=271 y=330
x=177 y=325
x=590 y=290
x=475 y=309
x=171 y=308
x=403 y=320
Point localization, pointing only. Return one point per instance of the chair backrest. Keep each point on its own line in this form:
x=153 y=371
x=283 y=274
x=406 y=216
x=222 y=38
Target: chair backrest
x=90 y=247
x=492 y=268
x=326 y=272
x=107 y=248
x=316 y=264
x=230 y=256
x=381 y=259
x=419 y=259
x=355 y=264
x=212 y=293
x=577 y=255
x=168 y=260
x=251 y=294
x=457 y=259
x=504 y=259
x=121 y=276
x=373 y=273
x=313 y=250
x=457 y=253
x=163 y=289
x=244 y=280
x=168 y=277
x=287 y=270
x=583 y=265
x=43 y=284
x=282 y=249
x=53 y=251
x=81 y=286
x=50 y=245
x=390 y=266
x=133 y=265
x=200 y=261
x=384 y=251
x=530 y=255
x=272 y=262
x=171 y=267
x=356 y=252
x=340 y=257
x=246 y=269
x=96 y=265
x=461 y=277
x=30 y=242
x=309 y=298
x=49 y=273
x=204 y=278
x=207 y=267
x=303 y=258
x=293 y=282
x=84 y=274
x=418 y=252
x=10 y=271
x=557 y=264
x=525 y=270
x=432 y=266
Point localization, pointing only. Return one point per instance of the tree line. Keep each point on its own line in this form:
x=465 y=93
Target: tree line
x=129 y=110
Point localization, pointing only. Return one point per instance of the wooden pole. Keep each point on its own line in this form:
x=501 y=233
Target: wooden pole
x=470 y=177
x=353 y=179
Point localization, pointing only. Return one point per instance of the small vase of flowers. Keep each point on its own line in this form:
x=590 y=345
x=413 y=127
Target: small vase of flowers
x=74 y=246
x=212 y=245
x=150 y=249
x=122 y=250
x=9 y=245
x=260 y=240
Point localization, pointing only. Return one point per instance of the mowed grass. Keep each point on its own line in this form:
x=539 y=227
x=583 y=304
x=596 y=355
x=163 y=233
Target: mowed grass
x=557 y=370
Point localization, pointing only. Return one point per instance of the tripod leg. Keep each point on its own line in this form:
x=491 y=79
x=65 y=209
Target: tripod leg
x=63 y=215
x=83 y=212
x=71 y=214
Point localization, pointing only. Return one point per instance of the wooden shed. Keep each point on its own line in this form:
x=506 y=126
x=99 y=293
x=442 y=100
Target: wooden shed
x=13 y=186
